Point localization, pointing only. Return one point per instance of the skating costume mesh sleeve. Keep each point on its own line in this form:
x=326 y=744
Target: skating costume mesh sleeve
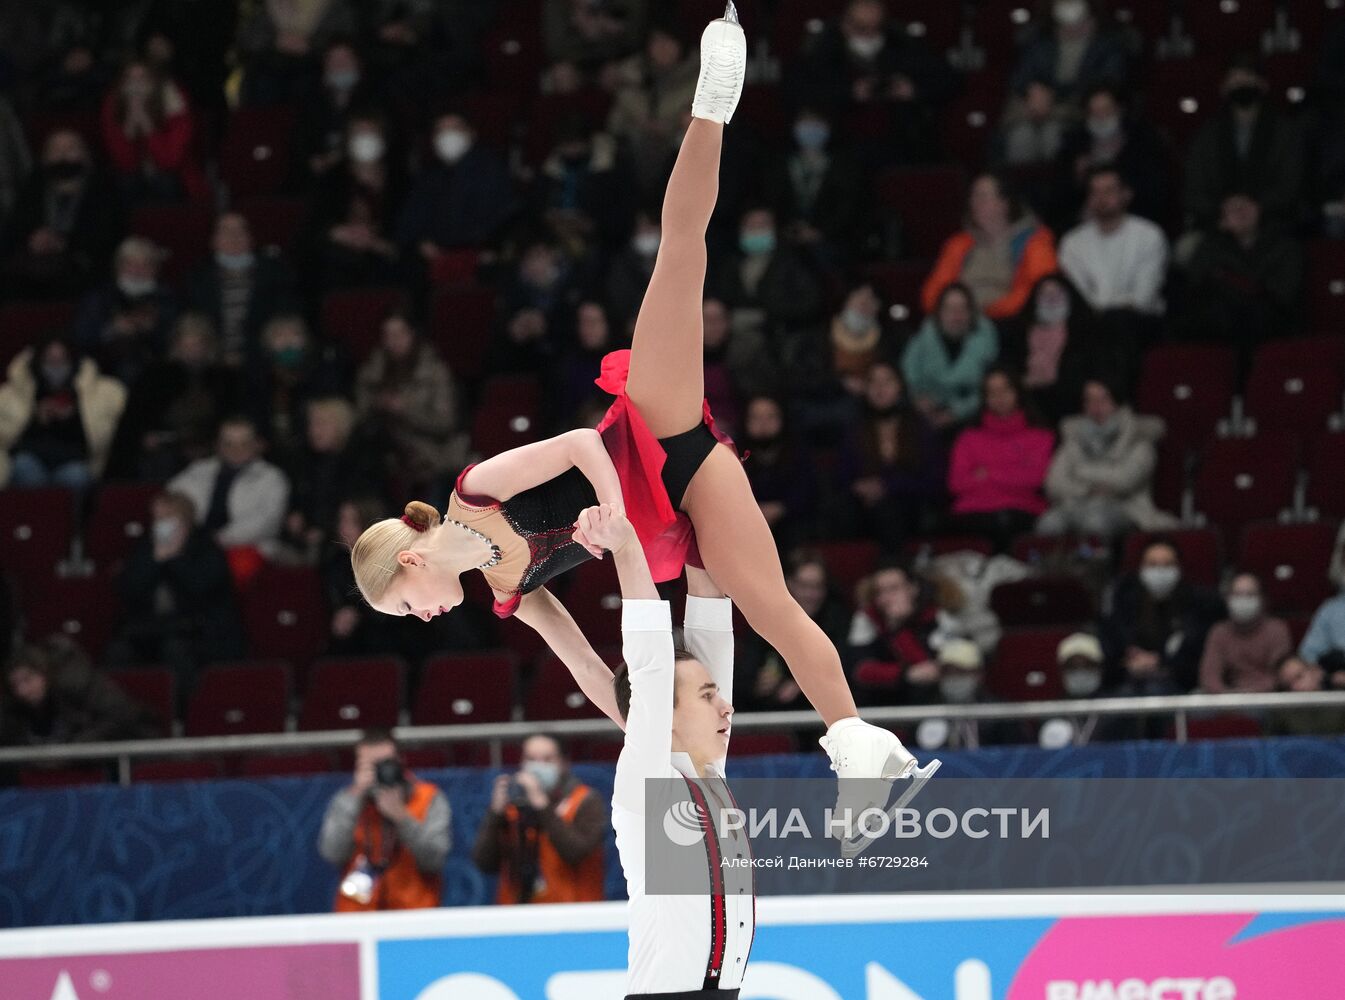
x=532 y=529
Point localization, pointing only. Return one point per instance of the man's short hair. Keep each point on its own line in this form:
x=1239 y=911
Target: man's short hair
x=376 y=735
x=560 y=744
x=621 y=683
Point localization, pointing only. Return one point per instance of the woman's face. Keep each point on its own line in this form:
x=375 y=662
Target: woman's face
x=894 y=596
x=137 y=81
x=56 y=355
x=592 y=327
x=883 y=389
x=1051 y=295
x=348 y=526
x=954 y=317
x=287 y=336
x=1001 y=398
x=425 y=588
x=28 y=686
x=1098 y=404
x=988 y=208
x=808 y=586
x=398 y=338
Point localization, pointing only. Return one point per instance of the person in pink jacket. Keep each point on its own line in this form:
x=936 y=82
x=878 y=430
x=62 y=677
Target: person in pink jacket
x=999 y=466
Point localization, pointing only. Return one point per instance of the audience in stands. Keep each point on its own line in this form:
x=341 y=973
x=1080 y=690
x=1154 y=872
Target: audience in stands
x=1294 y=673
x=64 y=224
x=124 y=323
x=277 y=42
x=1154 y=634
x=585 y=190
x=1100 y=478
x=1077 y=51
x=780 y=470
x=1324 y=643
x=762 y=680
x=148 y=133
x=999 y=256
x=766 y=282
x=324 y=111
x=946 y=361
x=630 y=271
x=178 y=596
x=1249 y=146
x=240 y=289
x=292 y=368
x=1241 y=653
x=858 y=339
x=961 y=681
x=1079 y=657
x=405 y=395
x=738 y=363
x=239 y=497
x=53 y=694
x=589 y=34
x=889 y=640
x=321 y=473
x=653 y=93
x=816 y=192
x=1115 y=259
x=1032 y=127
x=58 y=416
x=388 y=833
x=999 y=466
x=544 y=831
x=892 y=461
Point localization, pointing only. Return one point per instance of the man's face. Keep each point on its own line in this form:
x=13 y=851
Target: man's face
x=232 y=235
x=808 y=586
x=863 y=19
x=65 y=146
x=29 y=686
x=1240 y=216
x=237 y=445
x=370 y=754
x=764 y=420
x=541 y=750
x=1159 y=555
x=894 y=595
x=702 y=716
x=1107 y=197
x=136 y=265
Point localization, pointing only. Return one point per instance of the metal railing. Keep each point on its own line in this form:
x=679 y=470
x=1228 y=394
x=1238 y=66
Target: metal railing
x=496 y=734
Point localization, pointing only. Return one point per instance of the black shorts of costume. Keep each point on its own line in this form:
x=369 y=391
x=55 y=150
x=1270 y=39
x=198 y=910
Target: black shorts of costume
x=686 y=452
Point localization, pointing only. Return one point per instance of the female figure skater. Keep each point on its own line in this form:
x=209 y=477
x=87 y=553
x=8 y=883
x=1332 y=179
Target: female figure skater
x=657 y=457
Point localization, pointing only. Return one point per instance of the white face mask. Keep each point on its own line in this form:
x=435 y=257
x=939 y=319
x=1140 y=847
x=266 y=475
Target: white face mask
x=1052 y=313
x=1070 y=12
x=866 y=47
x=958 y=689
x=646 y=244
x=452 y=144
x=1104 y=128
x=366 y=147
x=1160 y=581
x=1244 y=608
x=165 y=529
x=1082 y=683
x=546 y=773
x=136 y=287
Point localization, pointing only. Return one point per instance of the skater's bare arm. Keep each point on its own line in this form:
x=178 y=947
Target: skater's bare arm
x=548 y=618
x=512 y=472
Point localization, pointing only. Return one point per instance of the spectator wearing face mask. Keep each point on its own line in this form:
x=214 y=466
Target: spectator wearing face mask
x=780 y=471
x=353 y=225
x=585 y=192
x=124 y=325
x=543 y=833
x=148 y=127
x=1110 y=136
x=240 y=289
x=1154 y=634
x=544 y=281
x=1000 y=255
x=463 y=198
x=630 y=271
x=1100 y=478
x=239 y=497
x=738 y=364
x=767 y=283
x=1324 y=643
x=998 y=468
x=324 y=111
x=1033 y=127
x=763 y=681
x=174 y=408
x=1247 y=147
x=1074 y=49
x=816 y=191
x=587 y=33
x=1118 y=261
x=333 y=461
x=571 y=382
x=962 y=682
x=64 y=223
x=1294 y=673
x=293 y=368
x=1241 y=653
x=946 y=361
x=58 y=416
x=278 y=40
x=857 y=339
x=649 y=105
x=889 y=640
x=178 y=596
x=1080 y=659
x=892 y=462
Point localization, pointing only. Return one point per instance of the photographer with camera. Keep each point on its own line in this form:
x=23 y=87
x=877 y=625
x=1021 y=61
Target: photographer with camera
x=388 y=832
x=544 y=831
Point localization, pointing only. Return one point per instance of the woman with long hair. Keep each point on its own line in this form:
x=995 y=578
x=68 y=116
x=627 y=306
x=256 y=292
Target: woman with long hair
x=657 y=455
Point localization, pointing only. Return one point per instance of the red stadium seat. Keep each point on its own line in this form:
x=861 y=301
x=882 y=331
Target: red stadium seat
x=514 y=54
x=929 y=202
x=796 y=22
x=61 y=777
x=285 y=614
x=1326 y=284
x=1246 y=479
x=255 y=153
x=1324 y=348
x=354 y=316
x=175 y=770
x=40 y=123
x=553 y=694
x=1228 y=26
x=22 y=324
x=152 y=687
x=898 y=284
x=36 y=527
x=84 y=609
x=1040 y=601
x=965 y=127
x=182 y=229
x=1294 y=396
x=353 y=693
x=494 y=116
x=1025 y=666
x=1190 y=386
x=761 y=109
x=275 y=221
x=1292 y=561
x=120 y=519
x=240 y=698
x=593 y=597
x=1326 y=474
x=1219 y=727
x=507 y=414
x=935 y=22
x=462 y=321
x=463 y=688
x=1037 y=549
x=1201 y=552
x=1182 y=94
x=848 y=563
x=1171 y=476
x=283 y=765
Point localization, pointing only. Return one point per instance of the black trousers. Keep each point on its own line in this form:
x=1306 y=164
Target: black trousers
x=686 y=995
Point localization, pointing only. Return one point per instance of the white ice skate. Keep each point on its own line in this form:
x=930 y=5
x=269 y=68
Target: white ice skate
x=723 y=68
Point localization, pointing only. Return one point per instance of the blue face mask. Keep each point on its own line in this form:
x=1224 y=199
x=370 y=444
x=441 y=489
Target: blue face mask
x=812 y=135
x=235 y=261
x=757 y=244
x=546 y=773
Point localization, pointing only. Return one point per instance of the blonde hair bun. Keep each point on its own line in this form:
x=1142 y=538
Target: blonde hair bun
x=421 y=515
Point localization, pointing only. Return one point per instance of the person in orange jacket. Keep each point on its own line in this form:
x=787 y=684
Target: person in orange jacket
x=1000 y=255
x=544 y=831
x=388 y=832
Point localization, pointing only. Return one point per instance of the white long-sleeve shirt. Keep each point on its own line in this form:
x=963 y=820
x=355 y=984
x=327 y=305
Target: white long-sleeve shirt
x=671 y=936
x=1123 y=269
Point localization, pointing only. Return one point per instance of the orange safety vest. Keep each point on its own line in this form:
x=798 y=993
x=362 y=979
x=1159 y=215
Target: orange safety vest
x=557 y=882
x=402 y=886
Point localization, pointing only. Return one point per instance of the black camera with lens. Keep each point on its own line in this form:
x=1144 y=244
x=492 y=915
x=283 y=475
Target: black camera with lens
x=518 y=795
x=389 y=773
